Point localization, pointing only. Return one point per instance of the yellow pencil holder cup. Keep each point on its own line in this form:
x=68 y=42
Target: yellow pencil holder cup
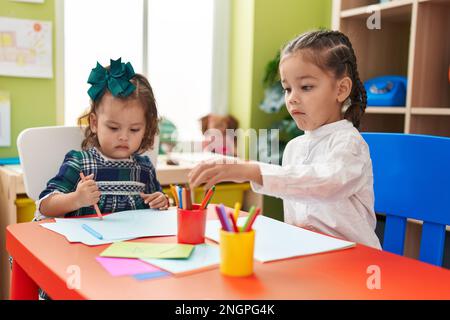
x=236 y=253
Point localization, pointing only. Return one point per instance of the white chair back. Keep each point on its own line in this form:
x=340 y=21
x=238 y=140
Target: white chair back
x=42 y=151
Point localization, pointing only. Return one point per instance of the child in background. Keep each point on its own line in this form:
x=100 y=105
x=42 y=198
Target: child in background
x=326 y=178
x=226 y=145
x=123 y=122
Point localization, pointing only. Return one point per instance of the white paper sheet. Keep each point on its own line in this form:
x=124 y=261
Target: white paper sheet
x=25 y=48
x=204 y=256
x=118 y=226
x=5 y=119
x=275 y=240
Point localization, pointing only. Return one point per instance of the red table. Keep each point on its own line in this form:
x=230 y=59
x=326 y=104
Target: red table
x=46 y=259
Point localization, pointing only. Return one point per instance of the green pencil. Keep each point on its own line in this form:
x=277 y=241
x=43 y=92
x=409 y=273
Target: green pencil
x=251 y=212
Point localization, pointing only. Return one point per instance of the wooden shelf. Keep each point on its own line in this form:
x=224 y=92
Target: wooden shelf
x=386 y=110
x=436 y=125
x=393 y=9
x=377 y=122
x=383 y=110
x=436 y=1
x=412 y=42
x=431 y=60
x=431 y=111
x=370 y=46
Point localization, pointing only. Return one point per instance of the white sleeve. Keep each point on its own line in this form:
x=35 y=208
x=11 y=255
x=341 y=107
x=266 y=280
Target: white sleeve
x=37 y=214
x=340 y=175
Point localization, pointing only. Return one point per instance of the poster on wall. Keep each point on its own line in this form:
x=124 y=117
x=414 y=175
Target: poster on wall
x=5 y=119
x=25 y=48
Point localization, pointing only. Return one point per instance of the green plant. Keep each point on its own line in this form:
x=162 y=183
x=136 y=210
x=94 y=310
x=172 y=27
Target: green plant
x=271 y=75
x=168 y=135
x=273 y=93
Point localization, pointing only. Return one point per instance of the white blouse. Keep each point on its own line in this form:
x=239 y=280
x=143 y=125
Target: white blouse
x=326 y=182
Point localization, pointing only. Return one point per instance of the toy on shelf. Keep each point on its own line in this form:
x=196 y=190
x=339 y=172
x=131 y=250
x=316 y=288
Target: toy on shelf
x=386 y=91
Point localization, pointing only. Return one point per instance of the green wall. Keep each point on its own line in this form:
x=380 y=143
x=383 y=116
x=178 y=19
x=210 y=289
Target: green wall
x=33 y=100
x=259 y=28
x=276 y=22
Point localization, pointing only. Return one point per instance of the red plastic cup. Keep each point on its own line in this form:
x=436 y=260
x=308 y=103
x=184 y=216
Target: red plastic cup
x=191 y=225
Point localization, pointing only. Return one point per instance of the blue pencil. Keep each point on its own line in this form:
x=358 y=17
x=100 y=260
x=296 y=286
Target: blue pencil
x=92 y=231
x=180 y=196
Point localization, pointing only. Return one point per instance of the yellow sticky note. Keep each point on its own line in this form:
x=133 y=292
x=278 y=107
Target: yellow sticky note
x=144 y=250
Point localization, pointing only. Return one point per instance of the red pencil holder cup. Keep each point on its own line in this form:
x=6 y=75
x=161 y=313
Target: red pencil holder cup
x=191 y=225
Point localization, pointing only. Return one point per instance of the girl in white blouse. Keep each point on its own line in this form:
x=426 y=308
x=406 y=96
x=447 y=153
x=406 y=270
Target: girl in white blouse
x=326 y=178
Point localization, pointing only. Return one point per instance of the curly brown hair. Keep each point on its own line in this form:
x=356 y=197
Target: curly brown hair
x=144 y=93
x=332 y=51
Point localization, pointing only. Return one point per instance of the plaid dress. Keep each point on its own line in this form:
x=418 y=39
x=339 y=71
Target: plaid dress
x=120 y=182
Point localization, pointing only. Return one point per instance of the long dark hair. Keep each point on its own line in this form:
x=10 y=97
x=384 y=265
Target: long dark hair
x=332 y=51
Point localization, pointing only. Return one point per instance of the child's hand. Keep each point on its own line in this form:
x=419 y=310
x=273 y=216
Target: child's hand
x=87 y=192
x=213 y=172
x=156 y=200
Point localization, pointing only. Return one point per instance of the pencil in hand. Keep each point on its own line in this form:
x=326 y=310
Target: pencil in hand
x=97 y=210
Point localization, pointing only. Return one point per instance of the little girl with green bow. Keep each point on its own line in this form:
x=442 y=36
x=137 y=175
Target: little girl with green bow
x=122 y=124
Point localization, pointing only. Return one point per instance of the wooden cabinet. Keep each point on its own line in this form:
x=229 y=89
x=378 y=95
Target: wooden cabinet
x=413 y=41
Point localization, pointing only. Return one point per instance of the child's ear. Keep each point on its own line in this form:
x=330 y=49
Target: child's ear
x=93 y=122
x=344 y=89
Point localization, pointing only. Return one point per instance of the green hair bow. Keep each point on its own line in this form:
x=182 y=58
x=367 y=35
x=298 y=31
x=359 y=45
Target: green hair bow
x=117 y=79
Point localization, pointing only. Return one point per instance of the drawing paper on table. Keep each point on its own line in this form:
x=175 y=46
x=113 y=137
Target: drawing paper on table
x=275 y=240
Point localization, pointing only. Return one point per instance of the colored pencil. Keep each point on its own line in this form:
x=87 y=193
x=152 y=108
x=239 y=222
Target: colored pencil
x=97 y=209
x=221 y=219
x=207 y=197
x=225 y=218
x=183 y=194
x=209 y=200
x=180 y=198
x=174 y=194
x=233 y=223
x=250 y=214
x=237 y=208
x=92 y=231
x=188 y=198
x=253 y=218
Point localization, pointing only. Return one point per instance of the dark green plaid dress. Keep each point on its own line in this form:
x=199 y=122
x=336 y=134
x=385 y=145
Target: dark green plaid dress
x=119 y=181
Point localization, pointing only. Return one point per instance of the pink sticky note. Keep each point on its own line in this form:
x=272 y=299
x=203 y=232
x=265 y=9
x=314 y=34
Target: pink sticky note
x=124 y=267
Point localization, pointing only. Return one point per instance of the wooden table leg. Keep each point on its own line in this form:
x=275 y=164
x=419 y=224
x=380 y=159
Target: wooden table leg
x=22 y=286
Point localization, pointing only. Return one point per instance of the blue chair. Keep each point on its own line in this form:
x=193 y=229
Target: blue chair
x=412 y=180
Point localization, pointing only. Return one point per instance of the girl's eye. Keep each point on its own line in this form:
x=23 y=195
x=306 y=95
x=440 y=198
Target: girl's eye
x=135 y=130
x=287 y=90
x=307 y=88
x=113 y=128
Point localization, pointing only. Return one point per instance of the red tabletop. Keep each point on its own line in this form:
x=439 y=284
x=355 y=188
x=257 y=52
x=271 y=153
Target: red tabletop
x=48 y=260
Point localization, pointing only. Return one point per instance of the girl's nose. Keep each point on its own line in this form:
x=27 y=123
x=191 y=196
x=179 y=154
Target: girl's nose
x=293 y=98
x=123 y=136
